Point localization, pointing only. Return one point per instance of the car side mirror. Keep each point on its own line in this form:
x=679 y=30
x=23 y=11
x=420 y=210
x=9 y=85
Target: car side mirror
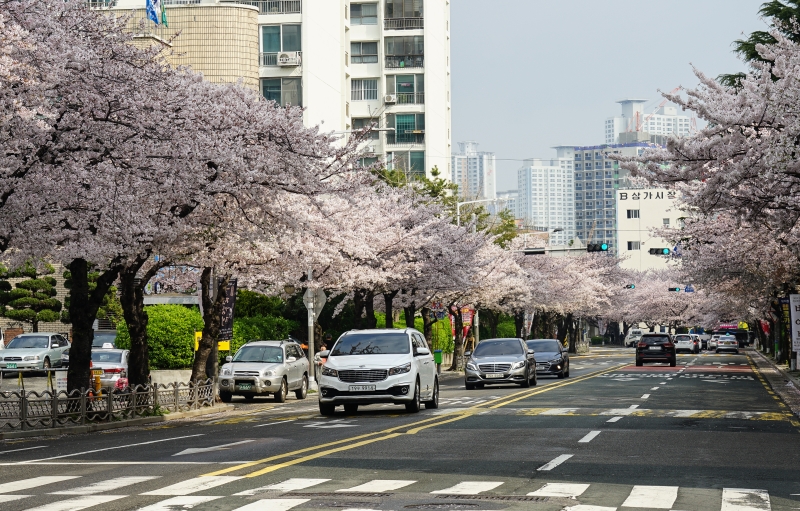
x=54 y=345
x=423 y=351
x=291 y=359
x=229 y=359
x=467 y=353
x=531 y=352
x=324 y=353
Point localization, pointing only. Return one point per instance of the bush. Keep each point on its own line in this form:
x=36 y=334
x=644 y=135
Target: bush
x=262 y=328
x=170 y=335
x=442 y=338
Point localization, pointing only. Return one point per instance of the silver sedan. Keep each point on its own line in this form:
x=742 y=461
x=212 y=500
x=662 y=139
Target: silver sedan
x=110 y=365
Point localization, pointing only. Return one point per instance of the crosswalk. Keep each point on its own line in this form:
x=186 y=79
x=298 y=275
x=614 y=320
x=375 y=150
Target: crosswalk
x=190 y=493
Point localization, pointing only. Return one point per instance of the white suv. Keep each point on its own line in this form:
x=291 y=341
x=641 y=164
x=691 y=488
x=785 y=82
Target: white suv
x=378 y=366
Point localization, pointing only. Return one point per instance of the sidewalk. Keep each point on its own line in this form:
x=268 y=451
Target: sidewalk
x=784 y=383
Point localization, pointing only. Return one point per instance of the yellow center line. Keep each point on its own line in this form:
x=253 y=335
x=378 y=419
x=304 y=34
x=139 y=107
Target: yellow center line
x=360 y=440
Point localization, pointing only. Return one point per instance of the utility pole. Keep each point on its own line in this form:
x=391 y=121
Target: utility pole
x=311 y=313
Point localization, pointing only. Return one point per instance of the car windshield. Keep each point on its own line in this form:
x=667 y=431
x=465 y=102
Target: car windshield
x=32 y=341
x=100 y=339
x=269 y=354
x=655 y=339
x=544 y=345
x=498 y=348
x=372 y=344
x=683 y=338
x=107 y=357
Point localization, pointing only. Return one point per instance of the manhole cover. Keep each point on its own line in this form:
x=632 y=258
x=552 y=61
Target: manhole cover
x=336 y=503
x=340 y=494
x=522 y=498
x=444 y=505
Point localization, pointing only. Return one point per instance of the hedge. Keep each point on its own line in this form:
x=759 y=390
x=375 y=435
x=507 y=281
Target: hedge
x=170 y=335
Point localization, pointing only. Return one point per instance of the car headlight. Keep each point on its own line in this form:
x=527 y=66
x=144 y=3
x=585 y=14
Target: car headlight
x=555 y=361
x=400 y=369
x=268 y=373
x=31 y=357
x=518 y=365
x=226 y=371
x=327 y=371
x=471 y=366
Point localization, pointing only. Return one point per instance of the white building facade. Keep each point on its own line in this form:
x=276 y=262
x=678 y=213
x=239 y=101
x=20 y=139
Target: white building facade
x=507 y=201
x=639 y=212
x=546 y=197
x=474 y=172
x=664 y=121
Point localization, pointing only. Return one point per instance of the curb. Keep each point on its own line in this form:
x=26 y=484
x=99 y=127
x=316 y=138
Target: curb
x=788 y=389
x=90 y=428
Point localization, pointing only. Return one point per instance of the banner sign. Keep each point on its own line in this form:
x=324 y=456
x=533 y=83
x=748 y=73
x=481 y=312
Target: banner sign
x=794 y=307
x=226 y=321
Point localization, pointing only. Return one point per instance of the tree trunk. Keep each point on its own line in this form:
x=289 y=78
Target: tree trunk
x=370 y=321
x=410 y=312
x=458 y=348
x=561 y=333
x=83 y=306
x=427 y=326
x=388 y=299
x=519 y=322
x=572 y=333
x=491 y=321
x=212 y=317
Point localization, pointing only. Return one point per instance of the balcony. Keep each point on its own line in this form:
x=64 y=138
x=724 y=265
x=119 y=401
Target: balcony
x=101 y=4
x=403 y=23
x=404 y=61
x=410 y=98
x=270 y=6
x=271 y=60
x=406 y=138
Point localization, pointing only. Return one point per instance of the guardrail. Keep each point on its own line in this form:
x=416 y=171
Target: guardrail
x=403 y=23
x=26 y=410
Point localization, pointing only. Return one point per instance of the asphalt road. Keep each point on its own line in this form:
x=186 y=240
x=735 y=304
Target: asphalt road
x=706 y=435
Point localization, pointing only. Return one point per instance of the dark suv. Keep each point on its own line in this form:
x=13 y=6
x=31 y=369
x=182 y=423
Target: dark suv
x=655 y=348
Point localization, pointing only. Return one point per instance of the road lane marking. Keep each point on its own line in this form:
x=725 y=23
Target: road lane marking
x=739 y=499
x=657 y=497
x=193 y=485
x=588 y=438
x=272 y=505
x=645 y=396
x=288 y=485
x=223 y=447
x=470 y=487
x=182 y=502
x=24 y=449
x=584 y=507
x=78 y=503
x=562 y=490
x=111 y=448
x=34 y=482
x=12 y=498
x=378 y=486
x=559 y=411
x=633 y=407
x=273 y=423
x=655 y=388
x=554 y=463
x=107 y=485
x=614 y=419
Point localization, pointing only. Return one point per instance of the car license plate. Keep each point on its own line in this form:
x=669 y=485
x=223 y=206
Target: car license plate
x=654 y=348
x=245 y=386
x=362 y=388
x=494 y=375
x=97 y=372
x=11 y=365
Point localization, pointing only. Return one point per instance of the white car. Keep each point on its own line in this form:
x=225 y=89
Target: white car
x=727 y=343
x=686 y=342
x=712 y=343
x=378 y=366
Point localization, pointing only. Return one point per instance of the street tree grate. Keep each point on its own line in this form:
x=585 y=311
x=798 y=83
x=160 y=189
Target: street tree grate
x=340 y=494
x=518 y=498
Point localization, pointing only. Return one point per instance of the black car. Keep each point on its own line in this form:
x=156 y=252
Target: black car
x=551 y=357
x=656 y=348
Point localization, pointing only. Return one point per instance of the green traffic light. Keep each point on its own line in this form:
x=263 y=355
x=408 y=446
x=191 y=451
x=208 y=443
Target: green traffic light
x=604 y=247
x=633 y=286
x=665 y=251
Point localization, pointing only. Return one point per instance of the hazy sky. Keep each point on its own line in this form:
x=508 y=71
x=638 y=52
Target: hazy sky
x=531 y=74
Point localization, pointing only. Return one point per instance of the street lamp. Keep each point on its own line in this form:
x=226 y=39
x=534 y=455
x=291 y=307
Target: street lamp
x=288 y=289
x=459 y=204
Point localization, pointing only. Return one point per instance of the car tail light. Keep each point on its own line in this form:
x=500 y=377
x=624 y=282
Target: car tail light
x=668 y=345
x=114 y=370
x=642 y=345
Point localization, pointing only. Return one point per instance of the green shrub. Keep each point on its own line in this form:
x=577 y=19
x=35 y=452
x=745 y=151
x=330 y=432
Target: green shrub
x=170 y=335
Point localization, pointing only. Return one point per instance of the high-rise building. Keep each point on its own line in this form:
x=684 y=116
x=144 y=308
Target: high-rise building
x=507 y=201
x=349 y=64
x=474 y=172
x=546 y=198
x=634 y=122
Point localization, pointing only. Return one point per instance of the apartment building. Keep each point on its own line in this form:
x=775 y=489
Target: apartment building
x=546 y=197
x=474 y=172
x=507 y=201
x=350 y=65
x=639 y=213
x=662 y=122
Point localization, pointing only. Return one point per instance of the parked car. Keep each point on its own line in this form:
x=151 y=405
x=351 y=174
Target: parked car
x=712 y=343
x=727 y=343
x=34 y=351
x=261 y=368
x=550 y=356
x=103 y=337
x=378 y=366
x=498 y=361
x=656 y=348
x=686 y=342
x=633 y=337
x=111 y=365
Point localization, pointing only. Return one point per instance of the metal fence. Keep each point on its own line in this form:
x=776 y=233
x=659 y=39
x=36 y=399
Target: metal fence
x=26 y=410
x=271 y=6
x=403 y=23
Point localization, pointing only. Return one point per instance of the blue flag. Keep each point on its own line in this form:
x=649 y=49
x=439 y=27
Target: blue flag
x=155 y=11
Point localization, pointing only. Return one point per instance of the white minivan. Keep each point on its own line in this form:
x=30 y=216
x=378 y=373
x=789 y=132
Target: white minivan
x=378 y=366
x=634 y=336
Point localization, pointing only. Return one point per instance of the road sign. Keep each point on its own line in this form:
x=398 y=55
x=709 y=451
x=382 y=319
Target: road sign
x=315 y=300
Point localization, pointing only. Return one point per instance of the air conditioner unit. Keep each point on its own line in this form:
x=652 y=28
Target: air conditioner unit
x=369 y=150
x=289 y=58
x=390 y=98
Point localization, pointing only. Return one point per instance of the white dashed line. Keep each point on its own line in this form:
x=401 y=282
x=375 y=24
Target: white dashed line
x=614 y=419
x=556 y=462
x=645 y=396
x=588 y=438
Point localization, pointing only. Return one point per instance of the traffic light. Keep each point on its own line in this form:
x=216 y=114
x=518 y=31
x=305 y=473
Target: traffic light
x=533 y=251
x=630 y=286
x=674 y=289
x=660 y=251
x=597 y=247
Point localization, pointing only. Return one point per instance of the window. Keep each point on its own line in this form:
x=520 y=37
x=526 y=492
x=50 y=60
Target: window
x=283 y=91
x=360 y=124
x=363 y=14
x=405 y=51
x=409 y=128
x=608 y=184
x=364 y=53
x=367 y=162
x=413 y=162
x=364 y=89
x=666 y=221
x=278 y=38
x=410 y=89
x=633 y=213
x=403 y=8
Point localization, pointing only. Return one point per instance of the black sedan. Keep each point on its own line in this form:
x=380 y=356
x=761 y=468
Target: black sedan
x=551 y=357
x=656 y=348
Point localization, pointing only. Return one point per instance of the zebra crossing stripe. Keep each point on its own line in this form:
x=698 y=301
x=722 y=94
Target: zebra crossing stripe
x=34 y=482
x=272 y=505
x=193 y=485
x=563 y=490
x=288 y=485
x=103 y=486
x=78 y=503
x=12 y=498
x=182 y=502
x=470 y=487
x=738 y=499
x=378 y=485
x=583 y=507
x=657 y=497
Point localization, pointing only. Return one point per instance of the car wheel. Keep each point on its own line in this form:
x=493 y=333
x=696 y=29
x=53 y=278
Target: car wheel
x=716 y=351
x=469 y=386
x=535 y=379
x=351 y=408
x=414 y=406
x=527 y=383
x=673 y=362
x=280 y=396
x=639 y=363
x=249 y=397
x=566 y=375
x=302 y=392
x=434 y=402
x=562 y=373
x=327 y=409
x=225 y=397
